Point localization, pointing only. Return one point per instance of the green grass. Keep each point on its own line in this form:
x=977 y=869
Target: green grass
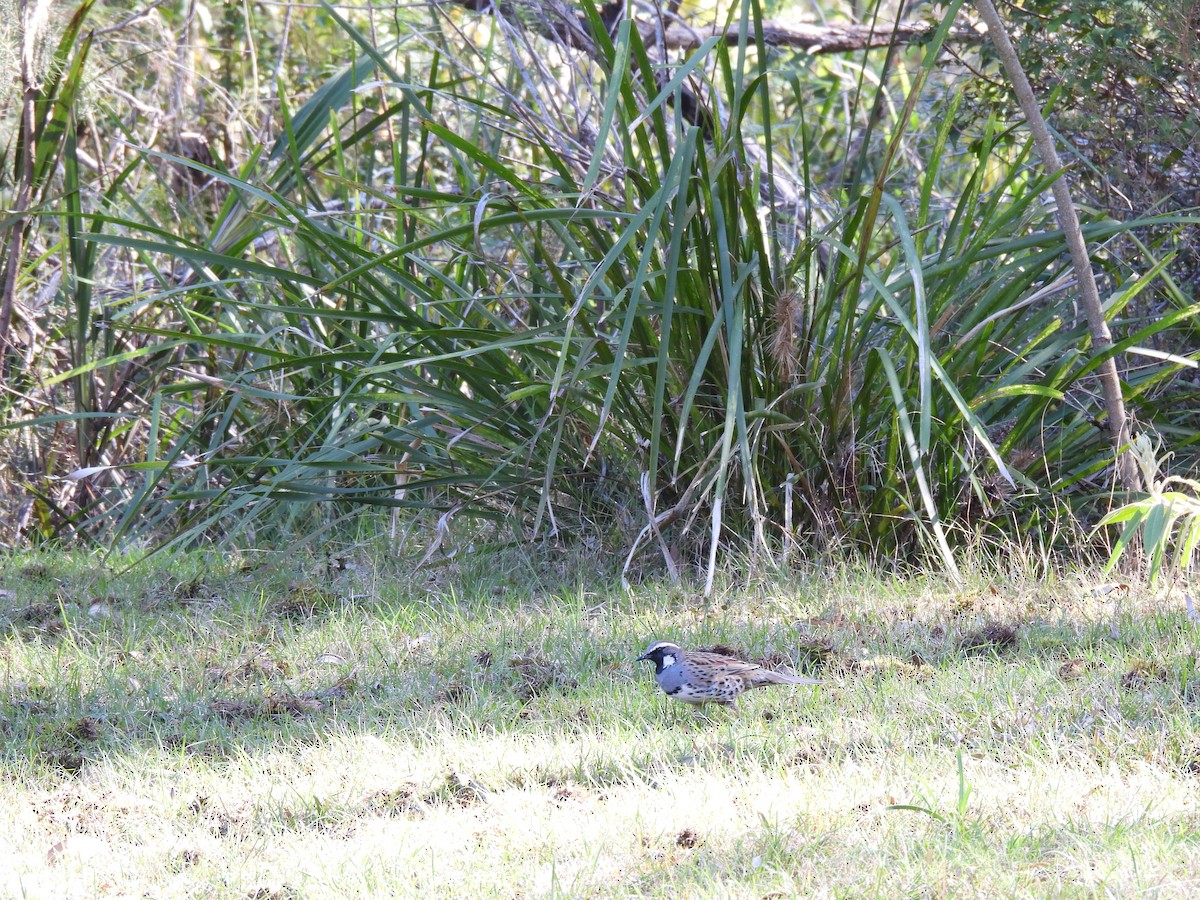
x=205 y=726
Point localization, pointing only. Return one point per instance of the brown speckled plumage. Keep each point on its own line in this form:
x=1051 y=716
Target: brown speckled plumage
x=702 y=677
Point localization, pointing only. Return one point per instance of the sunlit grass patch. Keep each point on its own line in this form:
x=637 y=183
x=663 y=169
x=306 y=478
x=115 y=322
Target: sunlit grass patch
x=474 y=733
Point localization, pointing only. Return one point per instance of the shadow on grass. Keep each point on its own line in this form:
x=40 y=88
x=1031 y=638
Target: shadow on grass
x=213 y=663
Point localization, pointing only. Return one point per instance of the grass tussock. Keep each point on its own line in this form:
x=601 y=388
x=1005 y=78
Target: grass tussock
x=547 y=274
x=190 y=730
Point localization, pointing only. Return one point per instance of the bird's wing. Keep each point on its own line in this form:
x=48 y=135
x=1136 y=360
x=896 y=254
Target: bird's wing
x=727 y=664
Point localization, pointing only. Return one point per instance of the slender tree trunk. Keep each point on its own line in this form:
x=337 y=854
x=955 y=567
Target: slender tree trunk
x=1127 y=475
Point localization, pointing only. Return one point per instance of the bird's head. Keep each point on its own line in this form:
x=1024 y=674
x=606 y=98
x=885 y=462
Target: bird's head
x=663 y=654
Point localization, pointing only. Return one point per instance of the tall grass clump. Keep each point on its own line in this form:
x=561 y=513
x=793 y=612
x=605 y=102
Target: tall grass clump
x=574 y=284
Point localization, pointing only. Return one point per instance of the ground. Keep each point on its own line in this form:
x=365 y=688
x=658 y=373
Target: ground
x=255 y=727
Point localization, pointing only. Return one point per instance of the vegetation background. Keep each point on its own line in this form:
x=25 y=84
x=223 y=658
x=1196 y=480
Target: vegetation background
x=586 y=273
x=409 y=336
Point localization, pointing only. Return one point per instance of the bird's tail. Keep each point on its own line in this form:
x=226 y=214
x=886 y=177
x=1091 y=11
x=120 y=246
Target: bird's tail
x=766 y=676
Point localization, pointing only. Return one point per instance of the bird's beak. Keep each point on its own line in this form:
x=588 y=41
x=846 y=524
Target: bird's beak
x=640 y=658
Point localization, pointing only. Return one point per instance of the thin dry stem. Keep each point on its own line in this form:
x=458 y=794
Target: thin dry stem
x=1068 y=220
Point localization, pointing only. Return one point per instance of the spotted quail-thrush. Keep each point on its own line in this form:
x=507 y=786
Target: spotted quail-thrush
x=702 y=677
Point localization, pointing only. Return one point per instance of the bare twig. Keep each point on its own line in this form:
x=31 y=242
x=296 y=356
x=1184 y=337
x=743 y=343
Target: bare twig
x=138 y=16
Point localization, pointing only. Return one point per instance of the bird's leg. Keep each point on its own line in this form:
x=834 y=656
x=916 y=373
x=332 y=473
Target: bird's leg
x=709 y=720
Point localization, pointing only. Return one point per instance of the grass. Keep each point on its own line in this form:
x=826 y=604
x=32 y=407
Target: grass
x=260 y=727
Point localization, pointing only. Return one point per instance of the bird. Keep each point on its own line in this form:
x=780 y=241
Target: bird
x=700 y=676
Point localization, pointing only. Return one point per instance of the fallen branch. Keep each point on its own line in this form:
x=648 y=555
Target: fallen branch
x=815 y=39
x=564 y=24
